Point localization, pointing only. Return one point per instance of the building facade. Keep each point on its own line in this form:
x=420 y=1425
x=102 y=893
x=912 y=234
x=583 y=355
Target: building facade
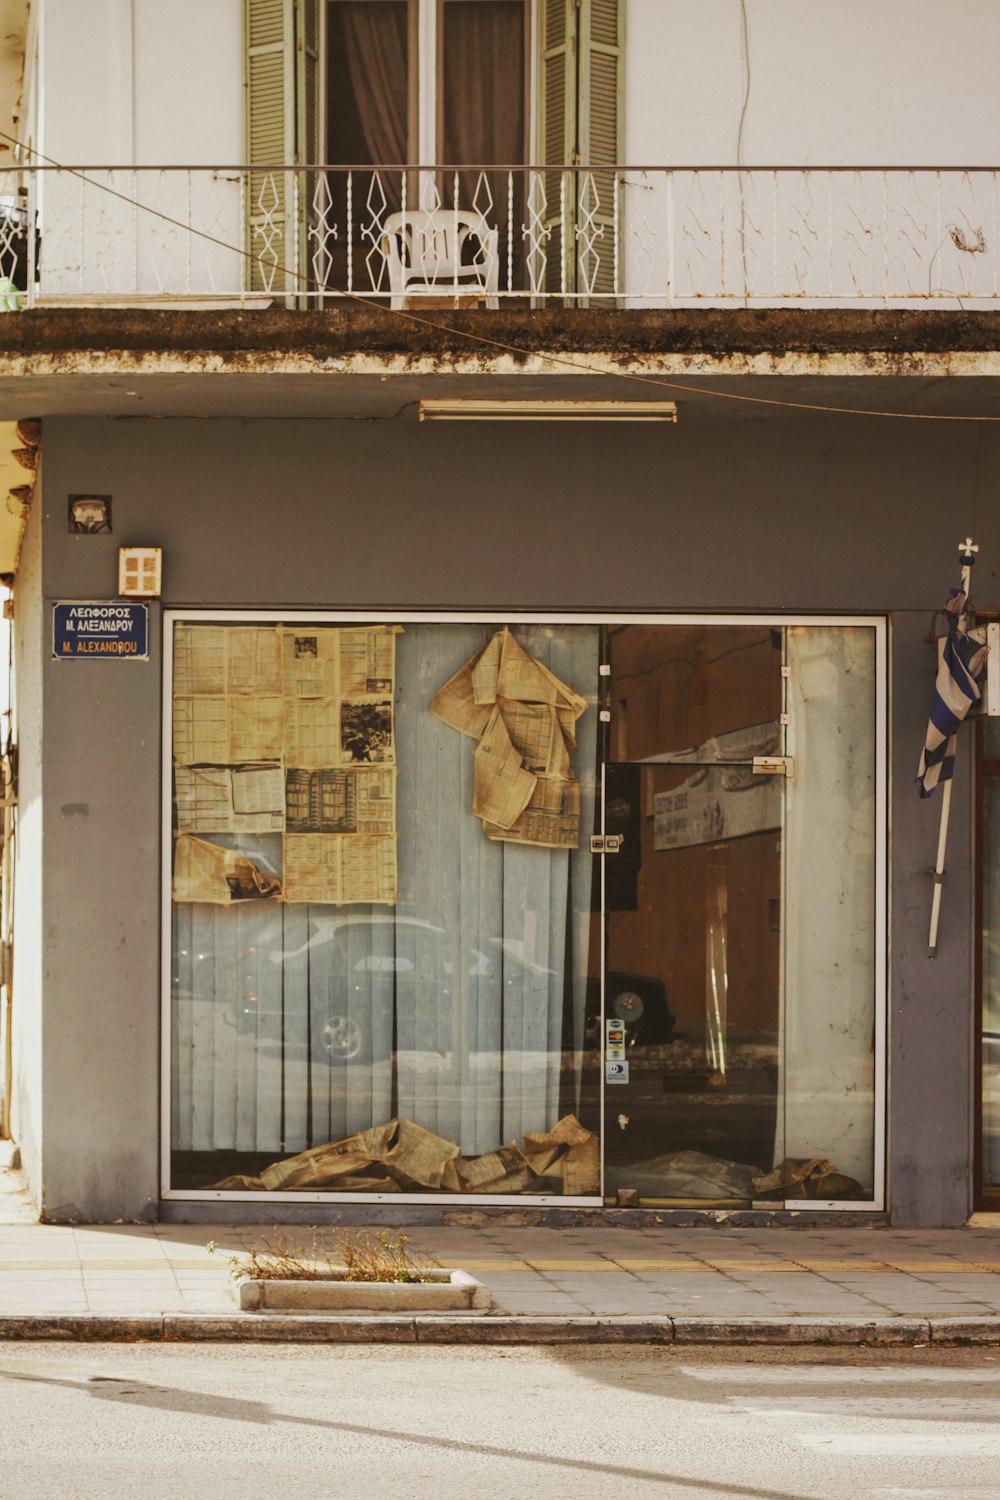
x=557 y=422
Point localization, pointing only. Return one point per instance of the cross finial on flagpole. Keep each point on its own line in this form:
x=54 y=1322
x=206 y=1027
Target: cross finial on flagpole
x=968 y=549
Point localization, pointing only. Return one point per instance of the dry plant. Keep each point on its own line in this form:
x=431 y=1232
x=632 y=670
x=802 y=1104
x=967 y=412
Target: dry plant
x=338 y=1254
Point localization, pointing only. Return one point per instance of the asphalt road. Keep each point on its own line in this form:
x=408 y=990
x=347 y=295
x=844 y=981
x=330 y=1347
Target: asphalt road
x=242 y=1424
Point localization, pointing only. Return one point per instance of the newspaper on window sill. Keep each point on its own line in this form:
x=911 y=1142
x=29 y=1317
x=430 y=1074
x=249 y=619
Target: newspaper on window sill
x=401 y=1156
x=524 y=719
x=405 y=1150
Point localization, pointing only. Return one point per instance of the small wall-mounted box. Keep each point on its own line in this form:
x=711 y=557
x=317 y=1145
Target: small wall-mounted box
x=140 y=572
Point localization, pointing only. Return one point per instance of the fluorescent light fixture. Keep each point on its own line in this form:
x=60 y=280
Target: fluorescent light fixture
x=547 y=411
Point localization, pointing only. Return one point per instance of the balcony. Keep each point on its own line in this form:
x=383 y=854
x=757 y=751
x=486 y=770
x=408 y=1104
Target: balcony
x=525 y=237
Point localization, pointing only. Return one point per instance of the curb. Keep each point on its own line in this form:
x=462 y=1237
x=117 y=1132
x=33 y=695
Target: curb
x=253 y=1328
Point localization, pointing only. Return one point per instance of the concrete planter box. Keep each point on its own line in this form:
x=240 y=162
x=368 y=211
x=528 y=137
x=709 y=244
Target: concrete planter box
x=445 y=1291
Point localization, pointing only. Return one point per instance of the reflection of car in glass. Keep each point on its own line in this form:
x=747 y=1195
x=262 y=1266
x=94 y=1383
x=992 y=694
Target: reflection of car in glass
x=637 y=999
x=355 y=970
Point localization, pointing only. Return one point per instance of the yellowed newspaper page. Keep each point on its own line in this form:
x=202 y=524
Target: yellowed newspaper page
x=368 y=868
x=502 y=788
x=255 y=728
x=340 y=869
x=220 y=659
x=420 y=1155
x=524 y=718
x=536 y=733
x=330 y=1163
x=200 y=655
x=455 y=705
x=259 y=798
x=204 y=799
x=253 y=664
x=312 y=732
x=201 y=731
x=375 y=798
x=311 y=662
x=551 y=820
x=368 y=661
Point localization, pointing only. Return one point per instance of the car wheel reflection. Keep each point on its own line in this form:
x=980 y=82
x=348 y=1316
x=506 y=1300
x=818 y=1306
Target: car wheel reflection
x=340 y=1039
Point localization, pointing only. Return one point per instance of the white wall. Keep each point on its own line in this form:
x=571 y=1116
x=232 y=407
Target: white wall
x=140 y=81
x=906 y=82
x=811 y=83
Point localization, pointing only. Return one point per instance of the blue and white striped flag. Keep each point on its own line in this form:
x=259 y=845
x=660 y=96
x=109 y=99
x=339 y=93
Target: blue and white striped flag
x=956 y=689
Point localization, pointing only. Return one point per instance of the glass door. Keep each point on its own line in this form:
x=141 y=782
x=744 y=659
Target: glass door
x=740 y=957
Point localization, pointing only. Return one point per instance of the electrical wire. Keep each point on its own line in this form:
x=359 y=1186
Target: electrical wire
x=579 y=367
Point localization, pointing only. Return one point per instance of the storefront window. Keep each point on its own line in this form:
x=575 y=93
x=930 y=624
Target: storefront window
x=397 y=967
x=382 y=908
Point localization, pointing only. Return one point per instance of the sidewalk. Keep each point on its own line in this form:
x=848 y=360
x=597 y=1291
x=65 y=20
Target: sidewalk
x=612 y=1284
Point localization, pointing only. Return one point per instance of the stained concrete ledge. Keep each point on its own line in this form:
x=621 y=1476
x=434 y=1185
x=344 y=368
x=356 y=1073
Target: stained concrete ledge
x=443 y=1290
x=801 y=1331
x=965 y=1330
x=272 y=332
x=470 y=1328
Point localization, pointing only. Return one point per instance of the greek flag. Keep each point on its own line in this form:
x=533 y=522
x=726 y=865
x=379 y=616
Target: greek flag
x=956 y=689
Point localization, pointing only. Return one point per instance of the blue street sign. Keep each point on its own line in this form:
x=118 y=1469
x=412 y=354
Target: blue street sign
x=103 y=630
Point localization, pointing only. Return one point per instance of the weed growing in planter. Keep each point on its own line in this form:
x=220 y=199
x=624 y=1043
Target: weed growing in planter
x=379 y=1255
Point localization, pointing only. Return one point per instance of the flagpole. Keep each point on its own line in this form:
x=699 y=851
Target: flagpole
x=968 y=549
x=938 y=871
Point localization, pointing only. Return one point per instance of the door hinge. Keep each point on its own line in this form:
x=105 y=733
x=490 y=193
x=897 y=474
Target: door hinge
x=774 y=765
x=606 y=843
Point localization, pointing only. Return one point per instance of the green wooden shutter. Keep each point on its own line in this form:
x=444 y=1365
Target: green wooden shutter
x=579 y=113
x=557 y=135
x=307 y=151
x=599 y=125
x=281 y=81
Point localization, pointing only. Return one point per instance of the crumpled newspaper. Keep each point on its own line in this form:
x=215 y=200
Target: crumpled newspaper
x=524 y=719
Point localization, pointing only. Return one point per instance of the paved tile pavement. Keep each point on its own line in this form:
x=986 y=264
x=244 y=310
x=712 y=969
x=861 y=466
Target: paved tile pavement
x=709 y=1272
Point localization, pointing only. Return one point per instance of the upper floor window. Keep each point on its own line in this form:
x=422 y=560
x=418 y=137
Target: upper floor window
x=487 y=87
x=426 y=80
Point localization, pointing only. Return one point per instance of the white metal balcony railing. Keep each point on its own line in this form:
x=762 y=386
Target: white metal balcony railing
x=618 y=236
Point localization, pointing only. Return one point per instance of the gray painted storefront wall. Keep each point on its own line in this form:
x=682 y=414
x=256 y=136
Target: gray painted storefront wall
x=812 y=514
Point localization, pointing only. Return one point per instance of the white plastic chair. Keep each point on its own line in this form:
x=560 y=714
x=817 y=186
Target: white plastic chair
x=423 y=252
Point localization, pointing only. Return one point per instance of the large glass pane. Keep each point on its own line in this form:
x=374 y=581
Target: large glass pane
x=990 y=1171
x=740 y=921
x=382 y=908
x=828 y=1063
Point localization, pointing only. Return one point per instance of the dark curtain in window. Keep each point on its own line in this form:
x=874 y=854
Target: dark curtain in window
x=482 y=94
x=367 y=122
x=370 y=42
